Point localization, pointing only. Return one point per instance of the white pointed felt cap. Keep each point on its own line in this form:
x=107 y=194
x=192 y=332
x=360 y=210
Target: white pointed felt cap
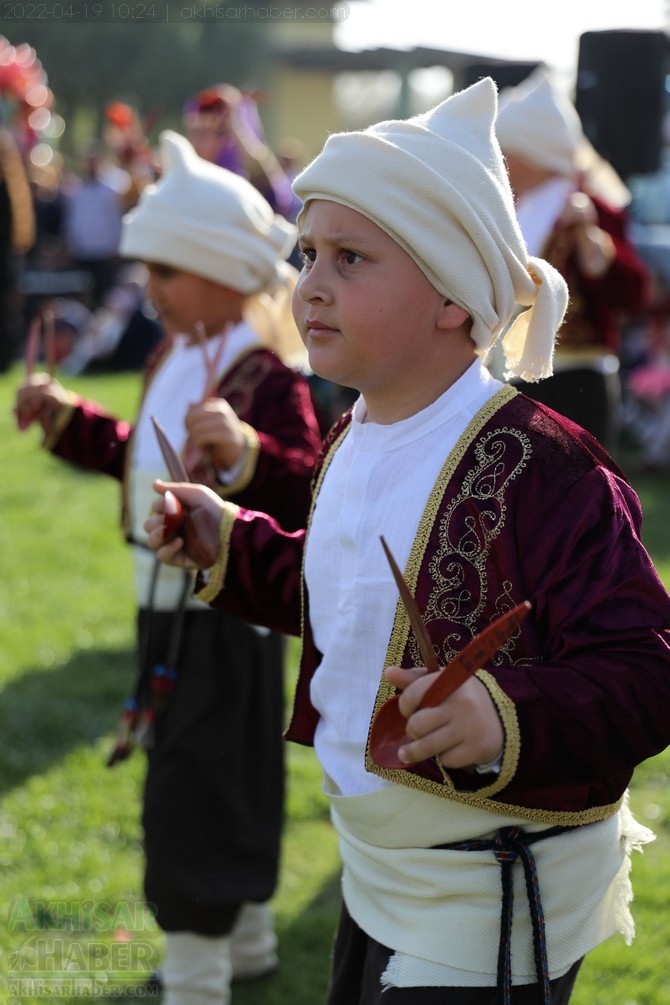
x=437 y=184
x=203 y=219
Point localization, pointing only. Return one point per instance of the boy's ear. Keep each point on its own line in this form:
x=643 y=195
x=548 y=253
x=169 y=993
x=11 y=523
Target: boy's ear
x=452 y=316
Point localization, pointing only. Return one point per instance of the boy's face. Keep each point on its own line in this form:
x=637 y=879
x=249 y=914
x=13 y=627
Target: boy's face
x=367 y=314
x=185 y=301
x=525 y=176
x=206 y=141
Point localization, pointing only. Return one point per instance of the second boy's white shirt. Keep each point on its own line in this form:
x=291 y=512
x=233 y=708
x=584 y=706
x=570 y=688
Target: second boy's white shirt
x=178 y=383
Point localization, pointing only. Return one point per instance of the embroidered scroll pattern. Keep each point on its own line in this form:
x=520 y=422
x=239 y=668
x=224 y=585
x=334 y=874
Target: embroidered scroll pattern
x=473 y=520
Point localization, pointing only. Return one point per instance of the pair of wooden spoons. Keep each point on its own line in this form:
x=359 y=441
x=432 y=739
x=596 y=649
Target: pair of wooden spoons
x=387 y=733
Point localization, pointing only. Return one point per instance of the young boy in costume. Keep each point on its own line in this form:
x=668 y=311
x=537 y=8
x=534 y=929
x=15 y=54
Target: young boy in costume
x=413 y=266
x=223 y=391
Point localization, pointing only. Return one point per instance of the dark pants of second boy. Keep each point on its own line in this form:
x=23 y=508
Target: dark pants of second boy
x=213 y=801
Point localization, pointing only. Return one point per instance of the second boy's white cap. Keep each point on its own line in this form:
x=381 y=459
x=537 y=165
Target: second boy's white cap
x=437 y=184
x=206 y=220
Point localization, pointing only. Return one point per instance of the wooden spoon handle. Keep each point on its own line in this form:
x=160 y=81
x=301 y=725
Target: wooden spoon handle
x=474 y=655
x=413 y=613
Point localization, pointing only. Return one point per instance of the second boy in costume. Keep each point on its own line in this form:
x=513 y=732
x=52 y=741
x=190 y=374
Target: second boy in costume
x=212 y=825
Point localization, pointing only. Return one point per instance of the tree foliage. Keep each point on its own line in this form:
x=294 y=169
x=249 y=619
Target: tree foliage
x=154 y=67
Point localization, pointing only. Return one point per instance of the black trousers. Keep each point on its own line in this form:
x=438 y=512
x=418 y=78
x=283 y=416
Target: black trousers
x=359 y=962
x=214 y=790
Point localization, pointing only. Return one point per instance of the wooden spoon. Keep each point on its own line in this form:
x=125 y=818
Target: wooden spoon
x=199 y=527
x=387 y=733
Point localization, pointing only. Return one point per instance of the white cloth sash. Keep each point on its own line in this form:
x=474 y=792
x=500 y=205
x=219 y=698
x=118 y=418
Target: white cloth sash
x=440 y=909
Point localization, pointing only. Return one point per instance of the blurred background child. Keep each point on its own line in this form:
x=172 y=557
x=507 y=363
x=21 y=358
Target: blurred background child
x=209 y=699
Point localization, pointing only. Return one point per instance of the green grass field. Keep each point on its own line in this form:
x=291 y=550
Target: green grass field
x=70 y=852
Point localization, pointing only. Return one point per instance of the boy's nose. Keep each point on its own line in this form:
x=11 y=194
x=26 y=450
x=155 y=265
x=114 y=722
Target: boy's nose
x=312 y=285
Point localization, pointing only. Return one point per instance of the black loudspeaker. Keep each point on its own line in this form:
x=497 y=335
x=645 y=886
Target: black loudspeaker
x=620 y=96
x=504 y=74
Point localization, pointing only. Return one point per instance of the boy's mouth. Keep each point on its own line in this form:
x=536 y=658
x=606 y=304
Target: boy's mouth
x=312 y=325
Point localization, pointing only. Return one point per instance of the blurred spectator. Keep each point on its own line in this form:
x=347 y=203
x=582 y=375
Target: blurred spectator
x=571 y=207
x=292 y=158
x=66 y=319
x=17 y=233
x=118 y=336
x=49 y=250
x=92 y=226
x=224 y=127
x=646 y=371
x=126 y=135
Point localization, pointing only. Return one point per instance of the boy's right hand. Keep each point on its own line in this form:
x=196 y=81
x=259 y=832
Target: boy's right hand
x=462 y=731
x=197 y=545
x=38 y=400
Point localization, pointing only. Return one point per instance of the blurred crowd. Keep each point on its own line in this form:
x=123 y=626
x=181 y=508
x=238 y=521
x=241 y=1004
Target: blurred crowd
x=64 y=268
x=62 y=225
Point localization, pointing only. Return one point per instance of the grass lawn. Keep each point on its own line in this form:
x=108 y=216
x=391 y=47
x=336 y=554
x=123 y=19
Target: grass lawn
x=69 y=830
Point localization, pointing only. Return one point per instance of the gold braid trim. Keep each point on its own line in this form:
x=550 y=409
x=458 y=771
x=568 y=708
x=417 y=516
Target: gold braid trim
x=315 y=491
x=512 y=750
x=478 y=799
x=217 y=573
x=246 y=475
x=507 y=712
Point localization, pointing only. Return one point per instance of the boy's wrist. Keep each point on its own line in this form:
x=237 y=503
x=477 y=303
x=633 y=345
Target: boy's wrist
x=491 y=767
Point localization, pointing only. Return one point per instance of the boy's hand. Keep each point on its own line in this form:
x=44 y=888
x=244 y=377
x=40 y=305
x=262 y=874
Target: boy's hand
x=595 y=248
x=215 y=431
x=462 y=731
x=197 y=546
x=38 y=400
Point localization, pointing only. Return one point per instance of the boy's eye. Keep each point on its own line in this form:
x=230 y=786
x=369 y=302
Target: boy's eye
x=308 y=256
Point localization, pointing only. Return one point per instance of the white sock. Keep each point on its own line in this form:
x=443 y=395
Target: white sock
x=253 y=950
x=196 y=970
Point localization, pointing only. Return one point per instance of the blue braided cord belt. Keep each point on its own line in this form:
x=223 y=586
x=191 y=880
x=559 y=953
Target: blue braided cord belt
x=508 y=845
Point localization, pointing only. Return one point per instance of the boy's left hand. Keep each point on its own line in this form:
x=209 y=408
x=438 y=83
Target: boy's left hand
x=461 y=732
x=197 y=546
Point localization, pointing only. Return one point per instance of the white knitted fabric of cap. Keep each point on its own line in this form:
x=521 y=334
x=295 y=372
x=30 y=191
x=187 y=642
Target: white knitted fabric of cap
x=204 y=219
x=437 y=184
